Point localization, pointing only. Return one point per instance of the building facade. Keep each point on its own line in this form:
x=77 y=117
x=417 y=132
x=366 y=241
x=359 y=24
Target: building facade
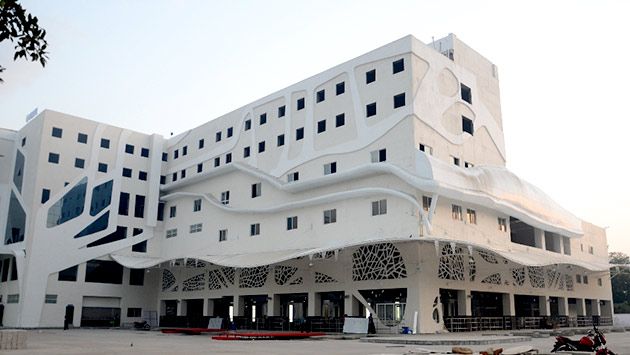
x=376 y=187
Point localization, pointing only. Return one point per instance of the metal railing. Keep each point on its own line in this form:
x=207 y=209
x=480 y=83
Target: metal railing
x=470 y=323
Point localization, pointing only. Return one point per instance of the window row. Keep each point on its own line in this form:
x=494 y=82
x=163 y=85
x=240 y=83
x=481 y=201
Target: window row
x=103 y=271
x=54 y=158
x=397 y=67
x=127 y=172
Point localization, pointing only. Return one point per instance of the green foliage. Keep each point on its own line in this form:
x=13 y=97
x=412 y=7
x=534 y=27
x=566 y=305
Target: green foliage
x=22 y=28
x=618 y=258
x=620 y=280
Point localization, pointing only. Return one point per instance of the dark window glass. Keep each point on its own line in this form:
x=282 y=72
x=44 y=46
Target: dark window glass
x=199 y=167
x=468 y=125
x=16 y=221
x=340 y=120
x=261 y=147
x=382 y=155
x=176 y=154
x=144 y=152
x=217 y=161
x=100 y=224
x=282 y=111
x=136 y=278
x=45 y=195
x=263 y=119
x=248 y=125
x=217 y=136
x=5 y=269
x=102 y=167
x=183 y=173
x=105 y=143
x=119 y=234
x=398 y=66
x=256 y=189
x=103 y=271
x=82 y=138
x=230 y=132
x=299 y=133
x=185 y=150
x=53 y=158
x=133 y=312
x=281 y=140
x=174 y=177
x=340 y=88
x=142 y=175
x=399 y=100
x=246 y=152
x=69 y=206
x=300 y=104
x=79 y=163
x=370 y=76
x=370 y=109
x=57 y=132
x=466 y=93
x=126 y=172
x=228 y=158
x=164 y=156
x=129 y=148
x=23 y=141
x=321 y=96
x=201 y=143
x=321 y=126
x=160 y=213
x=123 y=204
x=69 y=274
x=18 y=171
x=14 y=274
x=101 y=197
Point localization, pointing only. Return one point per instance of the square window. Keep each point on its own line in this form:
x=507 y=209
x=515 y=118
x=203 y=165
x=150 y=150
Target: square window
x=281 y=111
x=229 y=132
x=256 y=190
x=173 y=211
x=300 y=104
x=321 y=126
x=184 y=150
x=292 y=223
x=246 y=152
x=228 y=158
x=398 y=66
x=217 y=161
x=129 y=148
x=263 y=119
x=330 y=216
x=45 y=195
x=199 y=167
x=144 y=152
x=340 y=120
x=254 y=229
x=340 y=88
x=197 y=205
x=379 y=207
x=468 y=125
x=182 y=173
x=82 y=138
x=261 y=147
x=176 y=154
x=202 y=143
x=399 y=100
x=378 y=156
x=105 y=143
x=295 y=176
x=57 y=132
x=53 y=158
x=102 y=167
x=223 y=235
x=321 y=96
x=370 y=109
x=79 y=163
x=370 y=76
x=217 y=136
x=248 y=125
x=164 y=156
x=225 y=197
x=299 y=133
x=330 y=168
x=142 y=175
x=466 y=93
x=280 y=140
x=126 y=172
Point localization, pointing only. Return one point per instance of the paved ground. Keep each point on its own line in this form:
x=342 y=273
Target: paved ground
x=110 y=341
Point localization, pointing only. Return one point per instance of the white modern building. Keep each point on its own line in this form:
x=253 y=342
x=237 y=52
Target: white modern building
x=378 y=186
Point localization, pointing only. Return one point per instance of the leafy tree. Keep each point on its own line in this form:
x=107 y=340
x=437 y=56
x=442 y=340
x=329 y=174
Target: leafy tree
x=620 y=279
x=21 y=28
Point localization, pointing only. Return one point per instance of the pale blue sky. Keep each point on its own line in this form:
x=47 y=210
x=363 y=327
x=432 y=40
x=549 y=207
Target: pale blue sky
x=167 y=66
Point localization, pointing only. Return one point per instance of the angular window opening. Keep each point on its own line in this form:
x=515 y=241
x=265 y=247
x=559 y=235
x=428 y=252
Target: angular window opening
x=202 y=143
x=182 y=173
x=300 y=104
x=225 y=197
x=340 y=120
x=174 y=177
x=456 y=161
x=248 y=125
x=230 y=132
x=69 y=274
x=123 y=204
x=553 y=242
x=466 y=93
x=136 y=278
x=261 y=147
x=256 y=189
x=16 y=221
x=321 y=96
x=263 y=119
x=217 y=137
x=456 y=213
x=340 y=88
x=119 y=234
x=426 y=203
x=281 y=111
x=370 y=76
x=468 y=125
x=379 y=207
x=254 y=229
x=129 y=148
x=321 y=126
x=199 y=167
x=184 y=150
x=280 y=140
x=330 y=216
x=370 y=109
x=176 y=154
x=70 y=206
x=144 y=152
x=138 y=211
x=101 y=197
x=5 y=269
x=228 y=158
x=173 y=211
x=295 y=176
x=105 y=143
x=45 y=195
x=217 y=161
x=139 y=247
x=57 y=132
x=99 y=225
x=330 y=168
x=164 y=156
x=292 y=223
x=82 y=138
x=522 y=233
x=399 y=100
x=398 y=66
x=299 y=133
x=223 y=235
x=468 y=165
x=378 y=156
x=246 y=152
x=18 y=171
x=425 y=148
x=103 y=271
x=160 y=211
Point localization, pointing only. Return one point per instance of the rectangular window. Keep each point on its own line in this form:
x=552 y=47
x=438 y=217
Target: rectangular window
x=57 y=132
x=103 y=271
x=378 y=156
x=45 y=195
x=79 y=163
x=136 y=278
x=176 y=154
x=330 y=216
x=199 y=167
x=370 y=109
x=50 y=299
x=126 y=172
x=599 y=282
x=123 y=204
x=69 y=274
x=138 y=211
x=144 y=152
x=173 y=211
x=466 y=93
x=217 y=161
x=133 y=312
x=379 y=207
x=340 y=120
x=425 y=148
x=330 y=168
x=105 y=143
x=223 y=235
x=53 y=158
x=457 y=213
x=129 y=148
x=228 y=158
x=246 y=152
x=471 y=216
x=467 y=125
x=256 y=190
x=202 y=143
x=370 y=76
x=585 y=279
x=195 y=228
x=399 y=100
x=160 y=211
x=578 y=278
x=197 y=205
x=590 y=249
x=261 y=147
x=281 y=111
x=170 y=233
x=164 y=156
x=184 y=150
x=225 y=197
x=174 y=177
x=456 y=161
x=248 y=125
x=182 y=173
x=292 y=223
x=280 y=140
x=217 y=136
x=502 y=224
x=300 y=104
x=82 y=138
x=340 y=88
x=321 y=96
x=14 y=298
x=321 y=126
x=142 y=175
x=398 y=66
x=426 y=203
x=140 y=247
x=230 y=132
x=295 y=176
x=299 y=133
x=102 y=167
x=263 y=119
x=468 y=165
x=254 y=229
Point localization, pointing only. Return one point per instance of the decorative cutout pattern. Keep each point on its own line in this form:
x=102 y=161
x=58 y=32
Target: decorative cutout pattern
x=518 y=274
x=195 y=263
x=168 y=280
x=536 y=276
x=252 y=277
x=489 y=257
x=568 y=282
x=283 y=274
x=216 y=280
x=378 y=262
x=552 y=277
x=321 y=278
x=472 y=268
x=229 y=274
x=297 y=281
x=561 y=283
x=195 y=283
x=494 y=279
x=451 y=265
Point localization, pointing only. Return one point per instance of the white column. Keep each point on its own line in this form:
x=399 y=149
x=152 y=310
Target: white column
x=464 y=306
x=508 y=305
x=543 y=302
x=563 y=306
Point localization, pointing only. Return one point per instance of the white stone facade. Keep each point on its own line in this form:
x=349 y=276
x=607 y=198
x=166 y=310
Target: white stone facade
x=386 y=172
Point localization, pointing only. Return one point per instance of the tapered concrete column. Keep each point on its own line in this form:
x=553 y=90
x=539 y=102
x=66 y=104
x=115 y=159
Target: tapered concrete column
x=311 y=304
x=181 y=307
x=539 y=239
x=464 y=306
x=273 y=305
x=580 y=306
x=563 y=306
x=351 y=306
x=508 y=305
x=239 y=306
x=208 y=307
x=543 y=302
x=595 y=308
